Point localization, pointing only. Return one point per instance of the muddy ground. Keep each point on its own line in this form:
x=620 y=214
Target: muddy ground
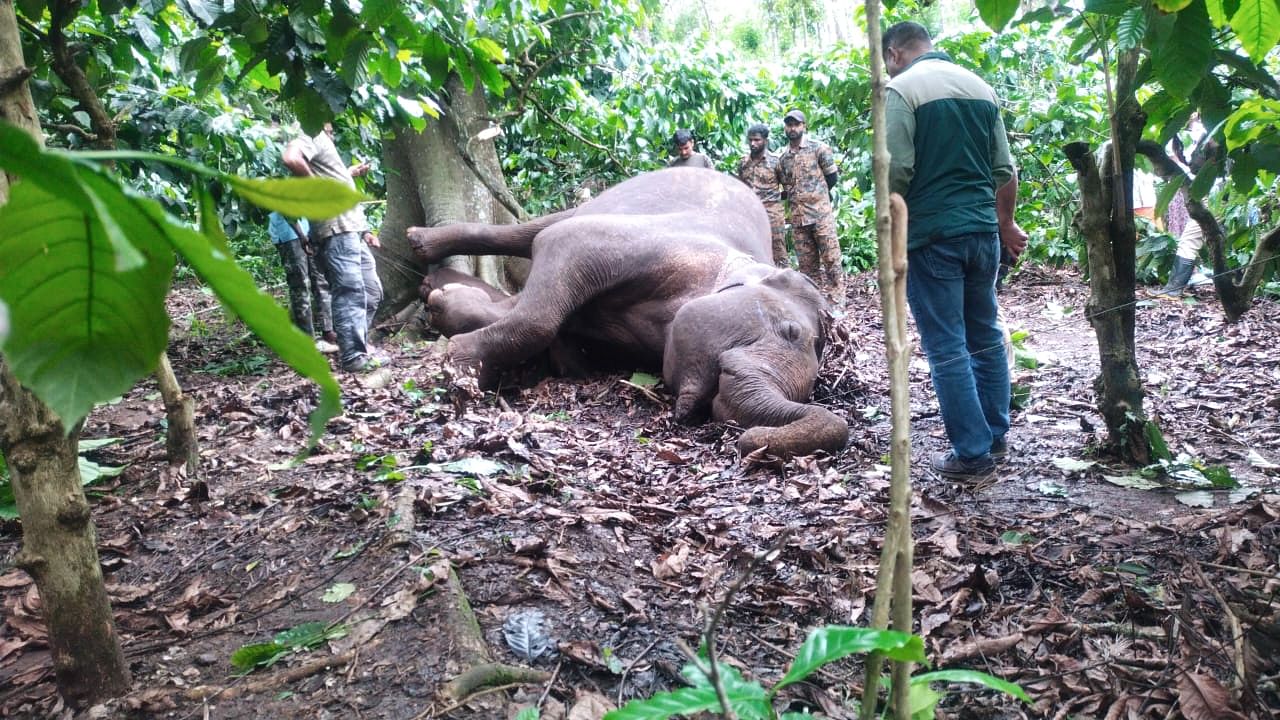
x=582 y=504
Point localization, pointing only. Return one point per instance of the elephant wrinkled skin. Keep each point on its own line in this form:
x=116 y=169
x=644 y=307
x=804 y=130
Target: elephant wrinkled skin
x=670 y=269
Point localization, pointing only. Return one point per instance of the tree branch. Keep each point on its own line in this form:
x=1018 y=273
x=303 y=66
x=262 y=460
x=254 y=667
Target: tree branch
x=10 y=79
x=74 y=129
x=62 y=12
x=573 y=132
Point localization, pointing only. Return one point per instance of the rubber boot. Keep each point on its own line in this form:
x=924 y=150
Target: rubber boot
x=1178 y=277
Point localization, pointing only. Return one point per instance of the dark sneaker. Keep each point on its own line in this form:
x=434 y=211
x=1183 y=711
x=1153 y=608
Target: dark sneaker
x=999 y=449
x=948 y=465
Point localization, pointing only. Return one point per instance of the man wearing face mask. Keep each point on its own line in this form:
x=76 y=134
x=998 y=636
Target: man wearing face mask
x=808 y=174
x=762 y=173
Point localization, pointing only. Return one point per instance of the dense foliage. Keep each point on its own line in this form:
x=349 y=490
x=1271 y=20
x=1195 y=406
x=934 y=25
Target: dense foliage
x=587 y=95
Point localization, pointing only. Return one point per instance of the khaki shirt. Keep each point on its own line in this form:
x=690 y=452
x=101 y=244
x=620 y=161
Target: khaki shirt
x=764 y=175
x=804 y=172
x=325 y=161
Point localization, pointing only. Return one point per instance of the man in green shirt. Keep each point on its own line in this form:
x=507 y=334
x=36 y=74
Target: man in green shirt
x=950 y=162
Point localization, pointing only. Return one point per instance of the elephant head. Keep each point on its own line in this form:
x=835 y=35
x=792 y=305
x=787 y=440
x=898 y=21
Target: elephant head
x=749 y=353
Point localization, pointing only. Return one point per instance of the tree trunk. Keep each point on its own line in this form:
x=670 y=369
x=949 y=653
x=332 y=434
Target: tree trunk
x=434 y=178
x=59 y=547
x=1106 y=209
x=181 y=445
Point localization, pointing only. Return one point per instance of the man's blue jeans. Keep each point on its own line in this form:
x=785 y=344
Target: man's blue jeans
x=355 y=291
x=951 y=286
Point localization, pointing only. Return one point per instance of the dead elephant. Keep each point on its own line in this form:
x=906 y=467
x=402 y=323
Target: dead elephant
x=670 y=269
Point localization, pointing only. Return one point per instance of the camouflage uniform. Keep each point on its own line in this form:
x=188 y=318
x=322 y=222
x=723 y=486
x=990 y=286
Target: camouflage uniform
x=309 y=303
x=813 y=224
x=764 y=175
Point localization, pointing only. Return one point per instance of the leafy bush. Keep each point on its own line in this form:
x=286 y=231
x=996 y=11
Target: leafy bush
x=825 y=645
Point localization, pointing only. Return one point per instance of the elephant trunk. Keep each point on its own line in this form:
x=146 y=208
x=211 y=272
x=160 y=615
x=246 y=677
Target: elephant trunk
x=763 y=398
x=814 y=428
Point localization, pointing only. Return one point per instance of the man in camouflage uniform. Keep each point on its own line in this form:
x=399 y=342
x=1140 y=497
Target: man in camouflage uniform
x=808 y=174
x=762 y=173
x=309 y=303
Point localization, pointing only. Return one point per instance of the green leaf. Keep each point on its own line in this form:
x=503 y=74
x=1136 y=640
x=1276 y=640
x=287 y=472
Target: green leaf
x=303 y=636
x=1220 y=476
x=249 y=657
x=491 y=49
x=489 y=75
x=1131 y=29
x=923 y=701
x=471 y=466
x=210 y=222
x=833 y=642
x=1182 y=59
x=435 y=58
x=684 y=701
x=1159 y=448
x=1254 y=117
x=997 y=13
x=82 y=331
x=1106 y=7
x=971 y=676
x=1172 y=6
x=1257 y=24
x=316 y=198
x=643 y=379
x=1217 y=12
x=338 y=592
x=529 y=713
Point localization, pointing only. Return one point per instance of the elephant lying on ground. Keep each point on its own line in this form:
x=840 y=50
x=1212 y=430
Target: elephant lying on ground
x=671 y=270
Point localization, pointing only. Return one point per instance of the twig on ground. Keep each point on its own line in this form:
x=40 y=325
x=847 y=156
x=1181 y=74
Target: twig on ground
x=547 y=690
x=1237 y=635
x=432 y=712
x=205 y=693
x=622 y=682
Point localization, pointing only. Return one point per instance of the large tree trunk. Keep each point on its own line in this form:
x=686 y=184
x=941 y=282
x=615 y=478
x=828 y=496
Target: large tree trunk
x=434 y=177
x=1106 y=210
x=59 y=544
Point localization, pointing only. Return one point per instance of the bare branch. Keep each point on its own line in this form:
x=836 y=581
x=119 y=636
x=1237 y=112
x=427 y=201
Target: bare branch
x=73 y=129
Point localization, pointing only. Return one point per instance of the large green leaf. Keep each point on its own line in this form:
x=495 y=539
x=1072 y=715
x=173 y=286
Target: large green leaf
x=1182 y=59
x=264 y=316
x=997 y=13
x=971 y=676
x=1131 y=29
x=83 y=332
x=1107 y=7
x=1250 y=121
x=314 y=197
x=833 y=642
x=1257 y=24
x=1172 y=6
x=685 y=701
x=84 y=329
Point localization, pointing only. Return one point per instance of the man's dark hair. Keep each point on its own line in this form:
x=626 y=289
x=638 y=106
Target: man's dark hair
x=758 y=129
x=903 y=35
x=681 y=137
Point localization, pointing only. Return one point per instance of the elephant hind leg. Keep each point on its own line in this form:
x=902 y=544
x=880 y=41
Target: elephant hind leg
x=433 y=244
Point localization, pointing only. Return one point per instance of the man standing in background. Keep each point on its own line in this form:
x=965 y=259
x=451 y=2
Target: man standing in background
x=808 y=174
x=343 y=244
x=682 y=146
x=762 y=173
x=950 y=161
x=308 y=290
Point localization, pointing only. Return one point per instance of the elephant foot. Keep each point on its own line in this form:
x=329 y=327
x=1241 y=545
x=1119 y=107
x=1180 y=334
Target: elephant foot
x=465 y=355
x=457 y=309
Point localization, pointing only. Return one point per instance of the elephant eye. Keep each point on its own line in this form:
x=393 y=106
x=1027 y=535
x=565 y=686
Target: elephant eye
x=789 y=330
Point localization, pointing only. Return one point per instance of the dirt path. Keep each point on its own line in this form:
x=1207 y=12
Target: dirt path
x=582 y=500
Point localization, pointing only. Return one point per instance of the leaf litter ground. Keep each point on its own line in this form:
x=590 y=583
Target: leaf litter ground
x=590 y=533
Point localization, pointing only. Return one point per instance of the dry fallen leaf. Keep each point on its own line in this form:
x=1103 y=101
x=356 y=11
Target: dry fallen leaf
x=670 y=564
x=589 y=706
x=1202 y=697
